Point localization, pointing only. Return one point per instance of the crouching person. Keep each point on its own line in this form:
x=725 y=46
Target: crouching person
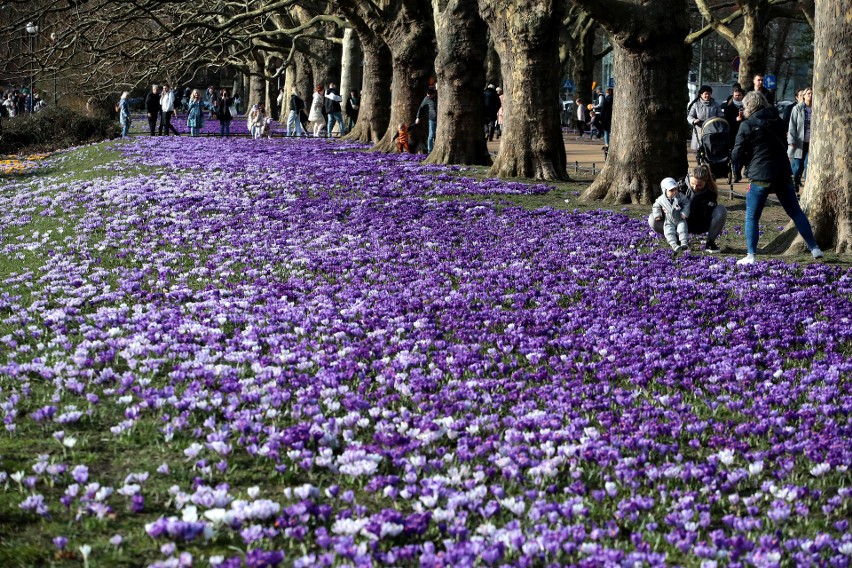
x=672 y=210
x=706 y=214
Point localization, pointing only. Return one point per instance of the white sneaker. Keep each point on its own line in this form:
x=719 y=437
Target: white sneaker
x=747 y=259
x=817 y=252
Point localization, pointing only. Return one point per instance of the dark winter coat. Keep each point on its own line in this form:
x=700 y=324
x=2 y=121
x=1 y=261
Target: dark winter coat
x=491 y=101
x=761 y=147
x=152 y=103
x=606 y=113
x=332 y=105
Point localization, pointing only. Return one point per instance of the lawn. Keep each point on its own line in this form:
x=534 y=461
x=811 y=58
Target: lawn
x=298 y=353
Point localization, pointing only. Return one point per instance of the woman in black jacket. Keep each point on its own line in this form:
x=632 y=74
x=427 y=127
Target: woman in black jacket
x=761 y=147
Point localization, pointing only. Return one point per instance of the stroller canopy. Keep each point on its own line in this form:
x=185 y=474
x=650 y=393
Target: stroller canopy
x=715 y=141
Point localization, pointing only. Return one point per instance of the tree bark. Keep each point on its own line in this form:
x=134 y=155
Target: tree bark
x=304 y=78
x=289 y=85
x=525 y=36
x=579 y=34
x=493 y=71
x=750 y=42
x=349 y=65
x=257 y=82
x=374 y=114
x=460 y=69
x=827 y=195
x=583 y=66
x=410 y=38
x=405 y=28
x=648 y=135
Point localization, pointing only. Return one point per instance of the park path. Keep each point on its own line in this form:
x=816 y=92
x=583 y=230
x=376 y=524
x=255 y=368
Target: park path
x=586 y=158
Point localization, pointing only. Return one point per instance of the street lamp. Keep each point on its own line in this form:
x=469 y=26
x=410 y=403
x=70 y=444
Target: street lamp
x=32 y=30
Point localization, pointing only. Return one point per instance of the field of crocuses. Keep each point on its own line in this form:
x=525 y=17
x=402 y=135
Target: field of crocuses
x=298 y=353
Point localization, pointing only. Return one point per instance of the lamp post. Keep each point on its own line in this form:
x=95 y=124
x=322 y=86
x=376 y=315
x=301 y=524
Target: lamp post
x=32 y=30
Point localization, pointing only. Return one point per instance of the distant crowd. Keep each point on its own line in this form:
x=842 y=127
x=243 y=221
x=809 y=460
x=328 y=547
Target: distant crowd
x=14 y=102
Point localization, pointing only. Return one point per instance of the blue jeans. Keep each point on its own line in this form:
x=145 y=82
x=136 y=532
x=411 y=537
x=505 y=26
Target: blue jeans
x=194 y=130
x=606 y=137
x=224 y=128
x=125 y=129
x=332 y=118
x=430 y=141
x=800 y=167
x=786 y=194
x=294 y=125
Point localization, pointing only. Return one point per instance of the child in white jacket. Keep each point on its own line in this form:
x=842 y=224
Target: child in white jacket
x=673 y=207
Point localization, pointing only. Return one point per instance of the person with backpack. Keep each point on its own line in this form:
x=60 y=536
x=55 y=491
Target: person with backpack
x=761 y=147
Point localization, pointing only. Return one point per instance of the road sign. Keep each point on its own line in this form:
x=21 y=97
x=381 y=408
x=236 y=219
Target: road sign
x=611 y=83
x=769 y=82
x=568 y=84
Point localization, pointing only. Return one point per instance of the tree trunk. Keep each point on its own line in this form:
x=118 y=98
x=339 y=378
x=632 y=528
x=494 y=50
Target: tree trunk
x=304 y=78
x=289 y=85
x=374 y=114
x=525 y=36
x=405 y=28
x=257 y=83
x=648 y=135
x=493 y=73
x=349 y=65
x=583 y=64
x=410 y=38
x=461 y=76
x=271 y=91
x=751 y=44
x=828 y=189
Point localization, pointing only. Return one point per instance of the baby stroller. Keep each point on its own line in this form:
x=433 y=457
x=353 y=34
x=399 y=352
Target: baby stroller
x=714 y=149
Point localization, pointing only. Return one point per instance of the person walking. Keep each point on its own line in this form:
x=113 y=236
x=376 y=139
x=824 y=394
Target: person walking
x=333 y=110
x=124 y=114
x=294 y=122
x=734 y=117
x=430 y=106
x=700 y=111
x=315 y=117
x=353 y=105
x=225 y=116
x=799 y=136
x=491 y=104
x=760 y=148
x=167 y=104
x=195 y=116
x=501 y=112
x=582 y=118
x=153 y=109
